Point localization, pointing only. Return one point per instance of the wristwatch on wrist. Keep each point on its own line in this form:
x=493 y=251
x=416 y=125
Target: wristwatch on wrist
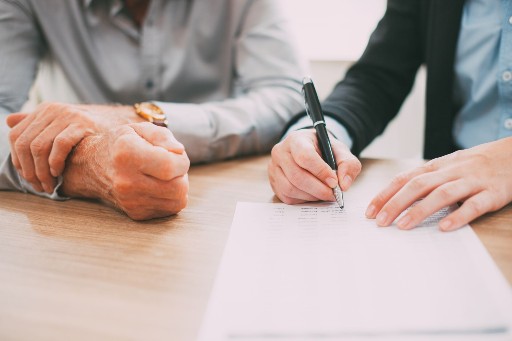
x=151 y=113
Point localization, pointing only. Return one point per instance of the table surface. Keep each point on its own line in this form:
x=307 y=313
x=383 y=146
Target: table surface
x=78 y=270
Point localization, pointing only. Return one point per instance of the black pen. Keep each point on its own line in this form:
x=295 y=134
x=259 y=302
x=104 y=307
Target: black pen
x=314 y=111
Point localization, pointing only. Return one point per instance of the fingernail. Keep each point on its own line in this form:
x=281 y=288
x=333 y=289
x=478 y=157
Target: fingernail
x=54 y=172
x=370 y=212
x=347 y=181
x=445 y=225
x=404 y=222
x=381 y=218
x=46 y=188
x=332 y=182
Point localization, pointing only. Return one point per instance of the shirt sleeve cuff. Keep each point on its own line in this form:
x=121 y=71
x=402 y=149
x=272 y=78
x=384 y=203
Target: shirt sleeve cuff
x=190 y=125
x=11 y=180
x=334 y=127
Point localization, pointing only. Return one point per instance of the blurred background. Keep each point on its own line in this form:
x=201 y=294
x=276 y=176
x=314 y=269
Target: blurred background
x=333 y=35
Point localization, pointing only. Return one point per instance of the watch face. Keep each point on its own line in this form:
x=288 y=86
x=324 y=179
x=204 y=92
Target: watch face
x=152 y=113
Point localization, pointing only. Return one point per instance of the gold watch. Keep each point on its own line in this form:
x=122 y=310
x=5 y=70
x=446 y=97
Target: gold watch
x=151 y=113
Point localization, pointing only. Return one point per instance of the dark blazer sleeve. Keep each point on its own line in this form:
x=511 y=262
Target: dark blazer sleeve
x=375 y=87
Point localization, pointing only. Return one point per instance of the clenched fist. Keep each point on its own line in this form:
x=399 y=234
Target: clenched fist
x=139 y=168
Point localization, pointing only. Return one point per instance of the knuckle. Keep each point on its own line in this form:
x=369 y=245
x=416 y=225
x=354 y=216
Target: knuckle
x=322 y=173
x=480 y=159
x=392 y=207
x=167 y=171
x=187 y=163
x=13 y=136
x=62 y=141
x=49 y=108
x=43 y=107
x=179 y=200
x=379 y=199
x=56 y=160
x=357 y=165
x=495 y=201
x=294 y=136
x=445 y=192
x=400 y=179
x=353 y=165
x=175 y=206
x=274 y=153
x=303 y=159
x=418 y=184
x=22 y=144
x=457 y=154
x=159 y=134
x=87 y=131
x=418 y=213
x=38 y=147
x=475 y=207
x=430 y=166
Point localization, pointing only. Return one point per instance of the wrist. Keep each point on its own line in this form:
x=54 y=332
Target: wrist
x=111 y=116
x=84 y=176
x=125 y=114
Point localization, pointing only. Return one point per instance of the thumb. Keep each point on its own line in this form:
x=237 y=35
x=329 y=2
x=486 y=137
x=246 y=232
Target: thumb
x=13 y=119
x=158 y=136
x=349 y=166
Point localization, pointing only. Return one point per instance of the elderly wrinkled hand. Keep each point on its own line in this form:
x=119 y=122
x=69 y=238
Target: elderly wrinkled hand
x=479 y=177
x=42 y=140
x=139 y=168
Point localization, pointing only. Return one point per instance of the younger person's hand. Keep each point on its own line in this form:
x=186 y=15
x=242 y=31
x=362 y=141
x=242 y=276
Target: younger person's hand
x=480 y=177
x=298 y=174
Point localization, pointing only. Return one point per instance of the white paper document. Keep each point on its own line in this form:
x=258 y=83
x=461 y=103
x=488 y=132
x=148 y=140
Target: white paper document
x=315 y=272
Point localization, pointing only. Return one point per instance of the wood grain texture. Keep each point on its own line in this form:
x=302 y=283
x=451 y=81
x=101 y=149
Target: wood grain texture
x=78 y=270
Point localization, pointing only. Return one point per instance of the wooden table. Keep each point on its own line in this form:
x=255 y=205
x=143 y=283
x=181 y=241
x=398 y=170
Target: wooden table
x=78 y=270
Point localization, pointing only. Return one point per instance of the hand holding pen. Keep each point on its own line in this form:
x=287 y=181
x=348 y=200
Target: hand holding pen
x=298 y=173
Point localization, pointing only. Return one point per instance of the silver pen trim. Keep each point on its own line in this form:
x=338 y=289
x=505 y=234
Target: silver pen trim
x=338 y=194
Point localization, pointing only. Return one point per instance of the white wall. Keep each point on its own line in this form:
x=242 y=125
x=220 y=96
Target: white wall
x=332 y=35
x=334 y=29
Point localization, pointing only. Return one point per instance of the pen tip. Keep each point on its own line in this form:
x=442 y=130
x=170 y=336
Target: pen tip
x=338 y=194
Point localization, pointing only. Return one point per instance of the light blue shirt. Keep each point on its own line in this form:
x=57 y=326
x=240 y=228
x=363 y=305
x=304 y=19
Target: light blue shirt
x=483 y=73
x=483 y=76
